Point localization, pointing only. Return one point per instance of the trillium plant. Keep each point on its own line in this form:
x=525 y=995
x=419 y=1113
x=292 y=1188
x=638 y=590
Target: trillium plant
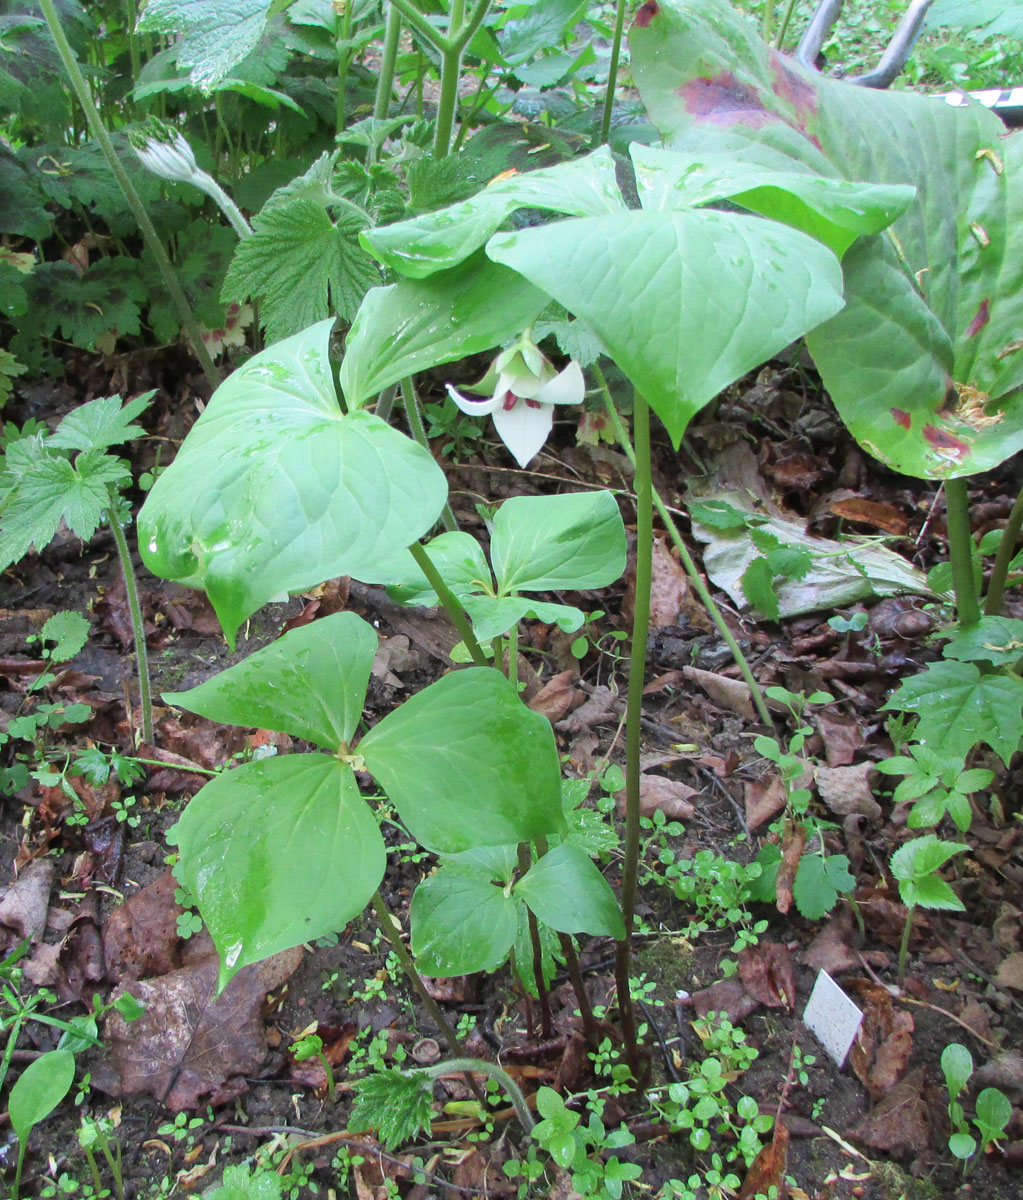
x=524 y=389
x=720 y=262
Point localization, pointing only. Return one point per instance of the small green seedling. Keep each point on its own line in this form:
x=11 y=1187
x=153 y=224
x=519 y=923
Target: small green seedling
x=915 y=867
x=311 y=1046
x=993 y=1109
x=36 y=1093
x=938 y=783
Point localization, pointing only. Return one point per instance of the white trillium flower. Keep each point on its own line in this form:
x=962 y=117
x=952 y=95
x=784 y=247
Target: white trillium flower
x=524 y=390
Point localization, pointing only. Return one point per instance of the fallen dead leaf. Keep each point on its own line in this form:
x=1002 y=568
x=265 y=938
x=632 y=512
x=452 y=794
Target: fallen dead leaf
x=764 y=799
x=733 y=694
x=842 y=737
x=1010 y=972
x=191 y=1047
x=871 y=512
x=669 y=586
x=726 y=997
x=847 y=790
x=830 y=950
x=766 y=973
x=1004 y=1071
x=884 y=1042
x=25 y=903
x=140 y=939
x=792 y=852
x=658 y=794
x=900 y=1123
x=557 y=697
x=768 y=1169
x=600 y=707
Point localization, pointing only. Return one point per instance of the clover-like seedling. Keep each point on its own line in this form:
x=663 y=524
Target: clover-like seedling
x=915 y=867
x=938 y=783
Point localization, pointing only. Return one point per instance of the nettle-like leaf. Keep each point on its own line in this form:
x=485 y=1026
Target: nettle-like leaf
x=417 y=324
x=394 y=1104
x=958 y=707
x=997 y=640
x=538 y=543
x=303 y=259
x=105 y=299
x=213 y=36
x=924 y=362
x=818 y=883
x=284 y=850
x=915 y=865
x=275 y=489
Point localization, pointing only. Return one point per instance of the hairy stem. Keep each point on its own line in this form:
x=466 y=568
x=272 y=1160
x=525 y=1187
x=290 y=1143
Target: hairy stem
x=612 y=73
x=1006 y=549
x=492 y=1071
x=385 y=78
x=450 y=602
x=575 y=975
x=960 y=551
x=134 y=202
x=414 y=413
x=138 y=627
x=691 y=570
x=344 y=61
x=633 y=726
x=904 y=945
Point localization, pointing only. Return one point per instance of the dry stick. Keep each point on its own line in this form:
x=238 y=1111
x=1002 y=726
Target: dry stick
x=633 y=725
x=696 y=579
x=138 y=209
x=409 y=967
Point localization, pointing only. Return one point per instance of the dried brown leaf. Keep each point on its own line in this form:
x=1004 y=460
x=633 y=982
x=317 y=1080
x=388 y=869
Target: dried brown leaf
x=26 y=902
x=1010 y=973
x=658 y=794
x=847 y=790
x=669 y=586
x=767 y=974
x=842 y=737
x=557 y=697
x=764 y=799
x=140 y=939
x=727 y=997
x=900 y=1123
x=600 y=707
x=768 y=1169
x=792 y=852
x=884 y=1042
x=733 y=694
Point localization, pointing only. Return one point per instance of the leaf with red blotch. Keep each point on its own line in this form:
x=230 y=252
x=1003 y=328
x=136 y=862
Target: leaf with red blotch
x=768 y=1169
x=766 y=973
x=192 y=1047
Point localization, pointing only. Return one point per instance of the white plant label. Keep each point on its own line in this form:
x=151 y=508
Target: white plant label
x=832 y=1017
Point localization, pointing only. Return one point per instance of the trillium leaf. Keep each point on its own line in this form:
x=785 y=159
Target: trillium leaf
x=275 y=489
x=834 y=211
x=457 y=556
x=567 y=892
x=925 y=362
x=310 y=683
x=685 y=302
x=467 y=764
x=461 y=922
x=420 y=246
x=418 y=324
x=549 y=543
x=277 y=853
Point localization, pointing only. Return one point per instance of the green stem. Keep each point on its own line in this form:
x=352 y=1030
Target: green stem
x=546 y=1024
x=513 y=656
x=131 y=197
x=960 y=551
x=492 y=1071
x=765 y=32
x=344 y=61
x=1006 y=549
x=783 y=28
x=133 y=42
x=138 y=627
x=385 y=402
x=97 y=1179
x=691 y=570
x=633 y=722
x=612 y=73
x=575 y=975
x=227 y=206
x=447 y=102
x=414 y=413
x=450 y=602
x=419 y=23
x=385 y=79
x=904 y=945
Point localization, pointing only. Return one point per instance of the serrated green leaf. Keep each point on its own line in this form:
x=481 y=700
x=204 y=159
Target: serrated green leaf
x=310 y=683
x=302 y=262
x=394 y=1104
x=101 y=423
x=213 y=35
x=238 y=1184
x=958 y=707
x=567 y=892
x=818 y=883
x=930 y=892
x=106 y=298
x=717 y=514
x=260 y=847
x=461 y=922
x=70 y=632
x=997 y=640
x=757 y=584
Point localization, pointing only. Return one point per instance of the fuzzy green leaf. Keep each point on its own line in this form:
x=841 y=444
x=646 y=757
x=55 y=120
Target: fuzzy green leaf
x=757 y=584
x=394 y=1104
x=997 y=640
x=101 y=423
x=70 y=632
x=213 y=35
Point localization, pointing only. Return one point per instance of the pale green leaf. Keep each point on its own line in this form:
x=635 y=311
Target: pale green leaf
x=39 y=1089
x=69 y=631
x=567 y=892
x=213 y=35
x=101 y=423
x=461 y=922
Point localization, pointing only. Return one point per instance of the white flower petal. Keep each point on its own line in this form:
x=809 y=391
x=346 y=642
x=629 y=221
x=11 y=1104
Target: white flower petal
x=475 y=408
x=567 y=388
x=524 y=428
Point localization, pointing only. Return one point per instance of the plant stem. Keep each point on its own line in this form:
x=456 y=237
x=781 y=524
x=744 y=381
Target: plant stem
x=904 y=945
x=633 y=719
x=385 y=79
x=344 y=61
x=695 y=577
x=492 y=1071
x=138 y=627
x=385 y=402
x=132 y=198
x=575 y=975
x=419 y=23
x=546 y=1025
x=460 y=33
x=513 y=656
x=765 y=32
x=960 y=551
x=450 y=603
x=414 y=413
x=612 y=73
x=1006 y=549
x=783 y=28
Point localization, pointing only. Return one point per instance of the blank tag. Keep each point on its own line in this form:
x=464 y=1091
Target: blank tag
x=832 y=1017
